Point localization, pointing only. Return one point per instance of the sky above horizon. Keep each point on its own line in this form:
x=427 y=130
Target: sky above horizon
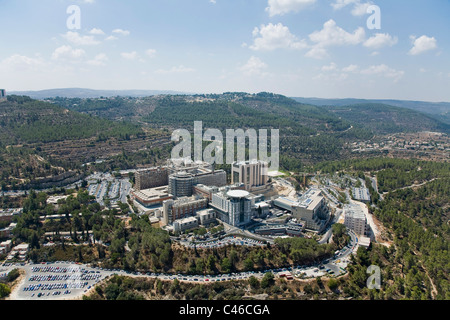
x=298 y=48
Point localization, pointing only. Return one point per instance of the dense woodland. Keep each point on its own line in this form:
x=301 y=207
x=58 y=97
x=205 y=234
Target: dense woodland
x=24 y=120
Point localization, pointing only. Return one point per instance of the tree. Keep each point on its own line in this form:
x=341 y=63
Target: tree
x=13 y=275
x=267 y=280
x=333 y=284
x=4 y=290
x=112 y=291
x=226 y=265
x=248 y=264
x=254 y=283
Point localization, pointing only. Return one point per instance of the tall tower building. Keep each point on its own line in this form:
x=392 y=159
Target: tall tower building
x=252 y=174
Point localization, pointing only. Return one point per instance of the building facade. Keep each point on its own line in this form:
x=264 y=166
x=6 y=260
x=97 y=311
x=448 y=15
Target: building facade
x=311 y=208
x=355 y=219
x=253 y=174
x=180 y=184
x=151 y=197
x=185 y=224
x=181 y=208
x=206 y=217
x=233 y=206
x=151 y=178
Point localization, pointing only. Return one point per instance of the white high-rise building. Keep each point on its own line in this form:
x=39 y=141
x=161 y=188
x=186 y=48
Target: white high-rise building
x=253 y=174
x=355 y=219
x=233 y=206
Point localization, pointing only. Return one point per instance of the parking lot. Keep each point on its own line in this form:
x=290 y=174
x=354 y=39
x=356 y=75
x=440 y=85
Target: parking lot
x=57 y=281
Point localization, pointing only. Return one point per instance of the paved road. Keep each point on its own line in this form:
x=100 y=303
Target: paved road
x=78 y=279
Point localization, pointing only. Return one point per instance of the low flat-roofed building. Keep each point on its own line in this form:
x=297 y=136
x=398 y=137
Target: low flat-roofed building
x=206 y=217
x=7 y=215
x=262 y=209
x=7 y=245
x=364 y=242
x=185 y=224
x=361 y=194
x=153 y=220
x=54 y=199
x=284 y=203
x=7 y=232
x=280 y=230
x=152 y=197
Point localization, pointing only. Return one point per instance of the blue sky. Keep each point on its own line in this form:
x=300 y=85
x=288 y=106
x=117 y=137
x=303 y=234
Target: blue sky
x=304 y=48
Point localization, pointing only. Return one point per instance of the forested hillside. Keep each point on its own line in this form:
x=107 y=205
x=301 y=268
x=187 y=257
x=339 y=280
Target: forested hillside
x=415 y=210
x=23 y=120
x=385 y=119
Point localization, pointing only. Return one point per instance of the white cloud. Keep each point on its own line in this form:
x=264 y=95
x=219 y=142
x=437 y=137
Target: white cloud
x=254 y=66
x=121 y=32
x=359 y=8
x=150 y=52
x=96 y=31
x=179 y=69
x=18 y=62
x=380 y=40
x=130 y=55
x=384 y=70
x=270 y=37
x=111 y=38
x=331 y=67
x=350 y=69
x=317 y=52
x=422 y=45
x=212 y=1
x=67 y=53
x=99 y=60
x=79 y=40
x=332 y=35
x=281 y=7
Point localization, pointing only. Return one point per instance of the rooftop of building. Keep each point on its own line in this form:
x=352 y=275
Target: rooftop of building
x=247 y=162
x=309 y=200
x=361 y=194
x=187 y=200
x=187 y=220
x=205 y=212
x=153 y=193
x=238 y=194
x=354 y=211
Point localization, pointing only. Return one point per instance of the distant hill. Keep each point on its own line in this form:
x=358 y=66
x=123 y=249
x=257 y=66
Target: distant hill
x=307 y=132
x=386 y=119
x=24 y=120
x=89 y=93
x=439 y=110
